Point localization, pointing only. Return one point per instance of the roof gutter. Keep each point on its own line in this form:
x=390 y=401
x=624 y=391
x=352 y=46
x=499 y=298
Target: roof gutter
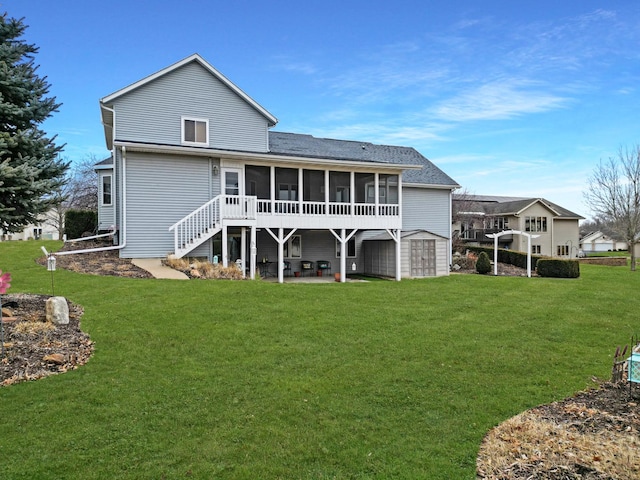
x=212 y=152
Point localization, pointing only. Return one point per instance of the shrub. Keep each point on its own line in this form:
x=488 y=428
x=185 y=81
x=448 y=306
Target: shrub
x=483 y=265
x=551 y=267
x=195 y=268
x=512 y=257
x=77 y=222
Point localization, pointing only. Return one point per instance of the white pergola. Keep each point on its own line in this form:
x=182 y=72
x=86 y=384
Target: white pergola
x=495 y=237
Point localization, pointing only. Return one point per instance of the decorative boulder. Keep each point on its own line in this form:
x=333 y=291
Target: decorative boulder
x=57 y=310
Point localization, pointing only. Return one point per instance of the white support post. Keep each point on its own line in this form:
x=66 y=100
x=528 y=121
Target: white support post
x=280 y=239
x=376 y=183
x=300 y=191
x=272 y=188
x=495 y=256
x=398 y=255
x=280 y=256
x=343 y=238
x=254 y=253
x=225 y=248
x=528 y=255
x=343 y=256
x=327 y=197
x=243 y=251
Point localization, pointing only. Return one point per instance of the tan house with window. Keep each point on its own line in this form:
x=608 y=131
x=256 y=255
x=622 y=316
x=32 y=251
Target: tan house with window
x=554 y=230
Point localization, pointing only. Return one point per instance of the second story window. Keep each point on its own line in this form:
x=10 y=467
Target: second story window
x=497 y=223
x=195 y=131
x=535 y=224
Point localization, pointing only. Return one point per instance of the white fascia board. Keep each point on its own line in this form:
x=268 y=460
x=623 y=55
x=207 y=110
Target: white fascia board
x=263 y=157
x=537 y=200
x=427 y=185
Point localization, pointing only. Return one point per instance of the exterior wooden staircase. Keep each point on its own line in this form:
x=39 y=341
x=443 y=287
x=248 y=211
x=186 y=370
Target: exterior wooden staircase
x=203 y=223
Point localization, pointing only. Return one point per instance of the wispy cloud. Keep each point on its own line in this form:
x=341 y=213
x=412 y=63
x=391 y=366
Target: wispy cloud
x=381 y=133
x=497 y=100
x=289 y=64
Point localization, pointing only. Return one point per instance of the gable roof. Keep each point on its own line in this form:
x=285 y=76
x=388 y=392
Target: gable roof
x=105 y=164
x=107 y=113
x=301 y=145
x=497 y=205
x=384 y=236
x=198 y=59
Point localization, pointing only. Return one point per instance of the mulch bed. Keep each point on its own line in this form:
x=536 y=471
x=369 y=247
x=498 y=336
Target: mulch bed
x=594 y=435
x=35 y=348
x=106 y=262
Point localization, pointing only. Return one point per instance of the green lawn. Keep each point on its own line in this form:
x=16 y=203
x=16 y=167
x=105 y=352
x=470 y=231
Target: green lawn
x=618 y=253
x=256 y=380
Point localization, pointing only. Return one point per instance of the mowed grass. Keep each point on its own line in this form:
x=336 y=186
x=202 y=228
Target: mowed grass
x=256 y=380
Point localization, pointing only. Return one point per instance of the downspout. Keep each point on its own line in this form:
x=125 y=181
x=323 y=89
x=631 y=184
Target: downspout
x=123 y=230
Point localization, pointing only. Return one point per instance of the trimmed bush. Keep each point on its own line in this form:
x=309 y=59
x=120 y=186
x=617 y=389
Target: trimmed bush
x=512 y=257
x=483 y=265
x=77 y=222
x=551 y=267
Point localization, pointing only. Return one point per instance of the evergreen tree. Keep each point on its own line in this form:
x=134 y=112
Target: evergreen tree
x=30 y=167
x=483 y=264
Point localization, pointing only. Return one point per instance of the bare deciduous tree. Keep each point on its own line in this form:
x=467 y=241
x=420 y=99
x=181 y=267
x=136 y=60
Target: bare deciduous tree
x=613 y=195
x=465 y=213
x=80 y=192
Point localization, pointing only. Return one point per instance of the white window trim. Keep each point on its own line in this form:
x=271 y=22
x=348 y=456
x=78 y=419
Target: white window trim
x=288 y=247
x=183 y=119
x=102 y=202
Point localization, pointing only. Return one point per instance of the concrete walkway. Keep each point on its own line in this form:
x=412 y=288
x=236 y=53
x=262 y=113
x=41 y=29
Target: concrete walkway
x=155 y=267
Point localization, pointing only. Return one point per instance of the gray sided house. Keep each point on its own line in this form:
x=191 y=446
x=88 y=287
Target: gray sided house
x=196 y=171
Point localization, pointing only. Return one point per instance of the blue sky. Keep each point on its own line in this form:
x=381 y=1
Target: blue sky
x=507 y=97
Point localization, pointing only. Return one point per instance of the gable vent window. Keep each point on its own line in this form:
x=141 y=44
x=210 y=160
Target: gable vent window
x=195 y=131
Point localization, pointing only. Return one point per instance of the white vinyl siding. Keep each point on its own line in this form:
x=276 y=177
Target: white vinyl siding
x=153 y=114
x=426 y=209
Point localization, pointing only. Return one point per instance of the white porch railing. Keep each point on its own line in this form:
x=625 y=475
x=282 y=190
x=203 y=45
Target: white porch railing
x=293 y=207
x=204 y=222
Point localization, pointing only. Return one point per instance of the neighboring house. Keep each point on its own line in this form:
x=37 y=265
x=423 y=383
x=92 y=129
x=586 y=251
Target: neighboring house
x=195 y=171
x=40 y=231
x=599 y=242
x=556 y=228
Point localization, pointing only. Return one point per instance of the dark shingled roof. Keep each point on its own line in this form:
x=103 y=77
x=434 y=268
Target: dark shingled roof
x=294 y=144
x=496 y=205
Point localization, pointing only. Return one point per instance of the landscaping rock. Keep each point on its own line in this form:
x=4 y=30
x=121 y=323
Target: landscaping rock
x=6 y=312
x=57 y=310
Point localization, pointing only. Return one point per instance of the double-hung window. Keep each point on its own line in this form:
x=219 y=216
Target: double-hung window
x=106 y=190
x=195 y=131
